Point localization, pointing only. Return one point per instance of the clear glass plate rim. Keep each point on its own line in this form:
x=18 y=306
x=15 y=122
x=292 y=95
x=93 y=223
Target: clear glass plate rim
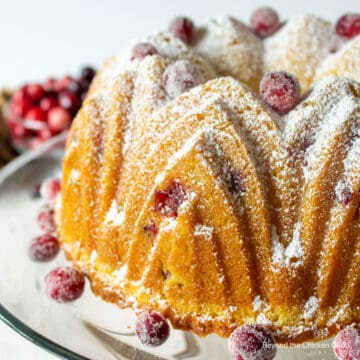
x=12 y=321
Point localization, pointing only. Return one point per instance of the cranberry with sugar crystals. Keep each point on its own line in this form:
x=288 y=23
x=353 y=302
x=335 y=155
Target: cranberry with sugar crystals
x=181 y=76
x=141 y=50
x=167 y=202
x=64 y=284
x=35 y=113
x=280 y=90
x=252 y=342
x=183 y=28
x=346 y=344
x=43 y=248
x=264 y=21
x=35 y=92
x=46 y=219
x=348 y=26
x=59 y=119
x=50 y=189
x=152 y=329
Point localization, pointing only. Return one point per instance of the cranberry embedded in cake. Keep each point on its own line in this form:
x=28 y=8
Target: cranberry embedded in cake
x=348 y=26
x=44 y=248
x=64 y=284
x=151 y=228
x=264 y=21
x=236 y=181
x=181 y=76
x=252 y=342
x=142 y=50
x=183 y=28
x=152 y=329
x=168 y=202
x=346 y=344
x=280 y=90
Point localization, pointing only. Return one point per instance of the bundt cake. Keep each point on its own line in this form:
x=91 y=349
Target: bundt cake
x=185 y=193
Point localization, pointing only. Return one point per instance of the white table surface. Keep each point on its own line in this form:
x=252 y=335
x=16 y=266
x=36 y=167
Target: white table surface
x=42 y=37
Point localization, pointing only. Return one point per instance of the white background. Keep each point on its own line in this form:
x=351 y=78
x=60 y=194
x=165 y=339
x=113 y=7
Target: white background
x=39 y=38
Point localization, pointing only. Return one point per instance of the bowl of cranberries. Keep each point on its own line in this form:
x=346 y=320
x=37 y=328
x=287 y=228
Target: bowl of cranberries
x=38 y=111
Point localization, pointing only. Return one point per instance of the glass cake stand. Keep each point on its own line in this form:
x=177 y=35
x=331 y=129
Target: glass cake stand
x=88 y=328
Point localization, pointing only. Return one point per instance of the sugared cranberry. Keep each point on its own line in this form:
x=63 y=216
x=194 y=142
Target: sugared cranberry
x=252 y=342
x=181 y=76
x=236 y=181
x=64 y=284
x=168 y=201
x=152 y=329
x=35 y=113
x=87 y=73
x=348 y=26
x=35 y=92
x=46 y=219
x=20 y=107
x=44 y=248
x=183 y=28
x=151 y=228
x=59 y=119
x=50 y=189
x=264 y=21
x=346 y=344
x=142 y=50
x=35 y=191
x=280 y=90
x=69 y=101
x=48 y=103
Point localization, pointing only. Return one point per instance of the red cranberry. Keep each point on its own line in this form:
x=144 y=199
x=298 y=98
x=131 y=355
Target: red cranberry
x=50 y=189
x=35 y=92
x=168 y=202
x=18 y=131
x=46 y=219
x=49 y=85
x=69 y=101
x=280 y=90
x=64 y=284
x=181 y=76
x=59 y=119
x=348 y=26
x=62 y=84
x=20 y=107
x=142 y=50
x=45 y=134
x=346 y=344
x=183 y=28
x=47 y=103
x=252 y=342
x=236 y=181
x=152 y=329
x=151 y=228
x=35 y=143
x=35 y=113
x=88 y=73
x=264 y=21
x=44 y=248
x=19 y=94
